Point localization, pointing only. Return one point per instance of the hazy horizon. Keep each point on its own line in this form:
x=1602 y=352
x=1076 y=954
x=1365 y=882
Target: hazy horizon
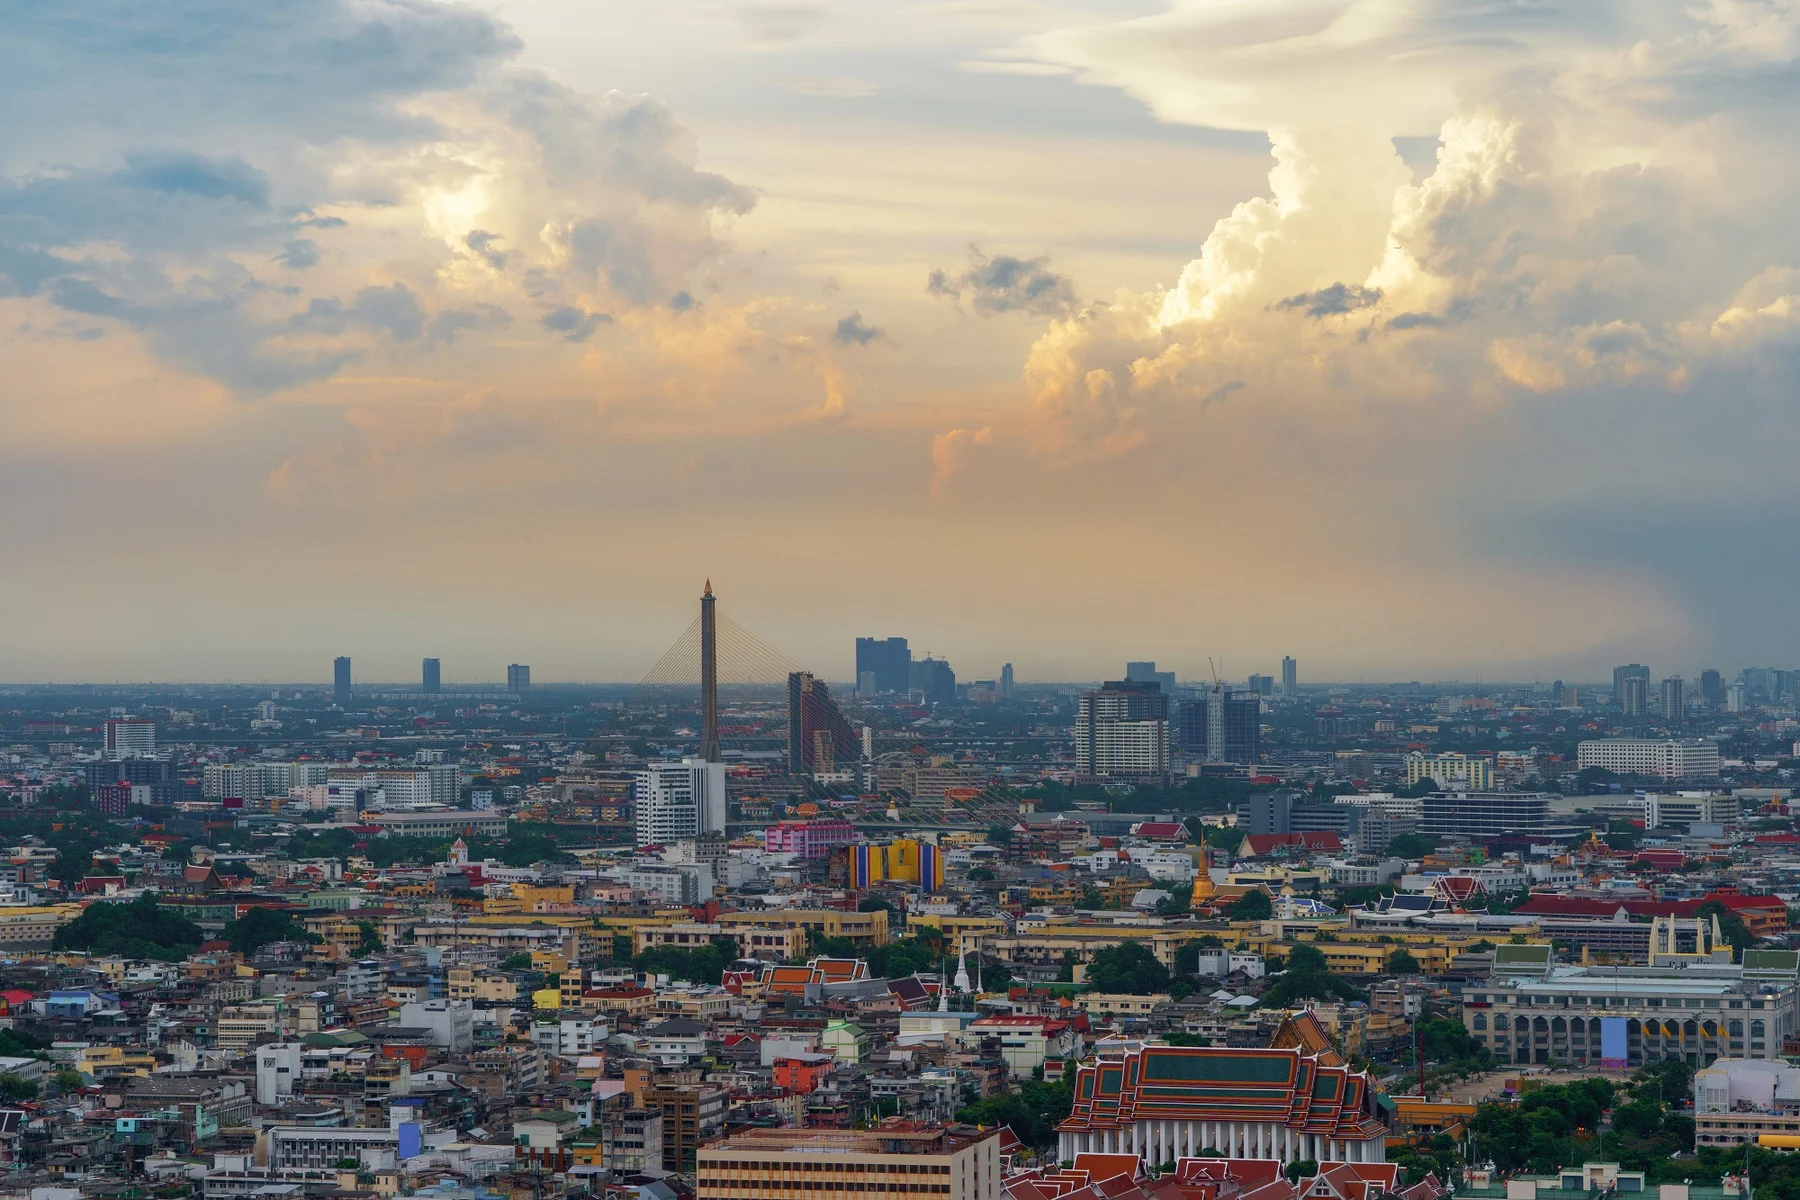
x=1428 y=340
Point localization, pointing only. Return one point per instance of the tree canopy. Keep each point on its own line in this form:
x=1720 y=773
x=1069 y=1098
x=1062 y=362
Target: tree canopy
x=141 y=929
x=1253 y=905
x=1401 y=962
x=1033 y=1111
x=261 y=926
x=1128 y=968
x=1305 y=977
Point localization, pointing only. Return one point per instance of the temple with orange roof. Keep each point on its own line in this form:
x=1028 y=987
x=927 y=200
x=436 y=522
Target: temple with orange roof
x=1169 y=1102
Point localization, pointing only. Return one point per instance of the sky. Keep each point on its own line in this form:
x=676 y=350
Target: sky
x=1414 y=338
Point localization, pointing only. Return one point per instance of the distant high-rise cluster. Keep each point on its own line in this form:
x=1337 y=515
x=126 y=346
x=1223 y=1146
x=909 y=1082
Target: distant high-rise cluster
x=1146 y=672
x=883 y=665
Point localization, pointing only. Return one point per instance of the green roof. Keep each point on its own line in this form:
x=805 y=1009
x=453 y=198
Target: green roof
x=345 y=1038
x=1771 y=960
x=1537 y=953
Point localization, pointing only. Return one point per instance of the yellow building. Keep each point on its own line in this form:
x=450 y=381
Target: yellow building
x=468 y=983
x=1048 y=943
x=960 y=933
x=868 y=929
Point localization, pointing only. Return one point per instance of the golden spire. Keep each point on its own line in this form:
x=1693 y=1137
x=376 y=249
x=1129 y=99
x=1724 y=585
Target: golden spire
x=709 y=586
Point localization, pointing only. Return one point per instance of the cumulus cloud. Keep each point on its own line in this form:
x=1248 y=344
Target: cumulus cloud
x=1005 y=284
x=1574 y=236
x=852 y=331
x=312 y=138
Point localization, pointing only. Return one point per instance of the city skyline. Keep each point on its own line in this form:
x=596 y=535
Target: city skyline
x=1425 y=311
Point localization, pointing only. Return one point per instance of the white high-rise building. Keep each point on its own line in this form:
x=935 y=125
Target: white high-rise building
x=1670 y=759
x=130 y=738
x=679 y=800
x=1122 y=732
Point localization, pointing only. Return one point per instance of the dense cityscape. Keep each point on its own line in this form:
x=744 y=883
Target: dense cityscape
x=899 y=600
x=717 y=936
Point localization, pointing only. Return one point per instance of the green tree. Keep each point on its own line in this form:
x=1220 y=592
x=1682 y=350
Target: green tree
x=261 y=926
x=1091 y=897
x=1253 y=905
x=1305 y=977
x=1065 y=973
x=1400 y=962
x=68 y=1080
x=1033 y=1111
x=1129 y=968
x=999 y=835
x=369 y=940
x=516 y=962
x=15 y=1087
x=1410 y=845
x=981 y=875
x=1302 y=1168
x=140 y=929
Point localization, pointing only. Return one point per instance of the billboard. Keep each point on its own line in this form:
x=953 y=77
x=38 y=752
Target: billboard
x=1613 y=1051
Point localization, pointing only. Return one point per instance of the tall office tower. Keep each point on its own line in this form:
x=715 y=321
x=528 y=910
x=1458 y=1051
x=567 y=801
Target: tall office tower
x=1261 y=685
x=1674 y=699
x=129 y=738
x=1756 y=682
x=1629 y=671
x=678 y=800
x=1146 y=672
x=340 y=680
x=888 y=659
x=431 y=680
x=1006 y=682
x=1737 y=698
x=1290 y=676
x=1221 y=726
x=1781 y=684
x=1122 y=732
x=1634 y=696
x=518 y=678
x=709 y=678
x=1712 y=686
x=819 y=738
x=934 y=679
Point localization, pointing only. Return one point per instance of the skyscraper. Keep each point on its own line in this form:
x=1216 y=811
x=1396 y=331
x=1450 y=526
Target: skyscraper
x=430 y=681
x=889 y=660
x=1712 y=686
x=1122 y=732
x=819 y=738
x=1674 y=700
x=1261 y=685
x=518 y=678
x=340 y=680
x=129 y=738
x=1006 y=682
x=678 y=800
x=1221 y=726
x=1634 y=696
x=1146 y=672
x=933 y=678
x=1629 y=671
x=1290 y=676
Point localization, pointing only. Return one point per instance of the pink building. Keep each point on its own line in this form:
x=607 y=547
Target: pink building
x=808 y=839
